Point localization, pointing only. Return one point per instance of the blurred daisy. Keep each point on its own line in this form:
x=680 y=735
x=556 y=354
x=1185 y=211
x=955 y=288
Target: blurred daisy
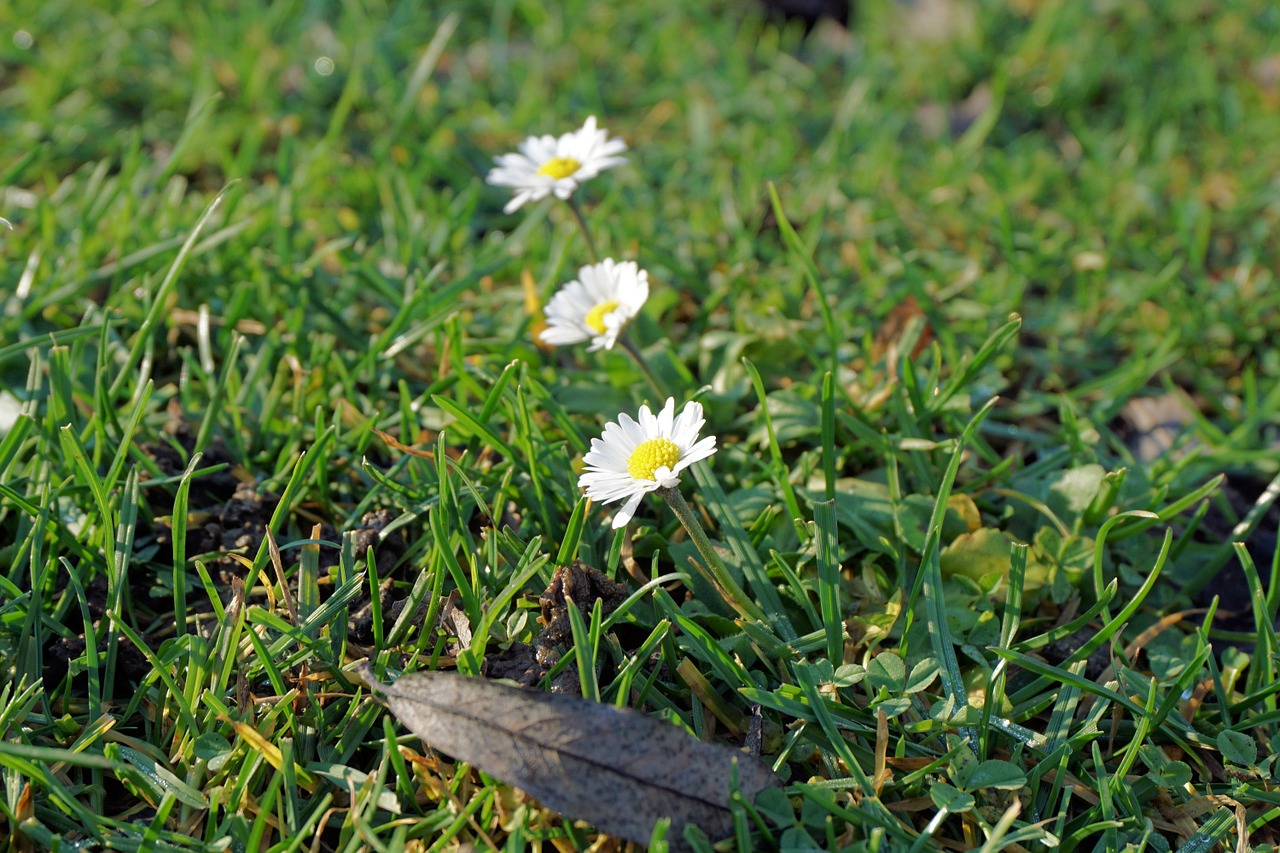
x=597 y=306
x=634 y=458
x=546 y=165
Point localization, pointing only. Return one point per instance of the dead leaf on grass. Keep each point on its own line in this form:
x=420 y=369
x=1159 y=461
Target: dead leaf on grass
x=613 y=767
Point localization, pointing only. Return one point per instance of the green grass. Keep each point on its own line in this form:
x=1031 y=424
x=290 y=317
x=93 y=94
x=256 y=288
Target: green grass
x=924 y=502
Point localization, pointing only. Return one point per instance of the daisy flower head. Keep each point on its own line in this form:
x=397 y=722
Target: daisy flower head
x=544 y=165
x=634 y=458
x=597 y=305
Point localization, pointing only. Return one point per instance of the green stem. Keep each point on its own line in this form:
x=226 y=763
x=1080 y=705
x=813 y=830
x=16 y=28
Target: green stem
x=582 y=226
x=733 y=593
x=632 y=350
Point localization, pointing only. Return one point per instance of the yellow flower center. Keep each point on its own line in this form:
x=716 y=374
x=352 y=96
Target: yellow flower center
x=595 y=317
x=559 y=167
x=652 y=455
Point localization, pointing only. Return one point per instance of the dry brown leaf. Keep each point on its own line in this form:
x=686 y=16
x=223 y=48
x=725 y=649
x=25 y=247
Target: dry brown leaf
x=395 y=444
x=456 y=619
x=613 y=767
x=895 y=326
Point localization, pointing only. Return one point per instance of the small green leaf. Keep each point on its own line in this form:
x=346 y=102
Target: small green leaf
x=210 y=746
x=922 y=675
x=976 y=555
x=963 y=761
x=1073 y=491
x=822 y=670
x=993 y=773
x=894 y=707
x=849 y=674
x=888 y=671
x=1237 y=747
x=1175 y=774
x=1234 y=659
x=950 y=799
x=817 y=805
x=797 y=840
x=776 y=806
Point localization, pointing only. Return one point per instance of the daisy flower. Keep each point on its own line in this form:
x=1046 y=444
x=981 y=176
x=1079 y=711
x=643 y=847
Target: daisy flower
x=597 y=306
x=634 y=458
x=545 y=165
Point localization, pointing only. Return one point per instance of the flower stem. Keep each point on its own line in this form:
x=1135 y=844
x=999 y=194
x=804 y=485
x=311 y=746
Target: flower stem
x=733 y=593
x=632 y=350
x=582 y=226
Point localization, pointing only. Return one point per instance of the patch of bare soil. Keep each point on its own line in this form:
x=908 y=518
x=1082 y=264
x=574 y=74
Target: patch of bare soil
x=578 y=585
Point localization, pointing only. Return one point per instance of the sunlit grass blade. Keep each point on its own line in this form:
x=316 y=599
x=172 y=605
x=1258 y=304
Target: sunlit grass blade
x=824 y=515
x=928 y=584
x=160 y=299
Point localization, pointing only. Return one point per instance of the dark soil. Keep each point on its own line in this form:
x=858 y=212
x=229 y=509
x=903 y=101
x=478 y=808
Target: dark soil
x=528 y=664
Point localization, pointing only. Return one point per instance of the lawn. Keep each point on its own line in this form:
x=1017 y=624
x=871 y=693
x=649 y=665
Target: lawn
x=979 y=303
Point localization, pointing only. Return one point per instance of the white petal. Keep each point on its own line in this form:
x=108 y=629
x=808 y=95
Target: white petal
x=616 y=320
x=666 y=417
x=610 y=151
x=605 y=341
x=700 y=451
x=607 y=478
x=622 y=516
x=634 y=430
x=613 y=458
x=637 y=292
x=609 y=491
x=517 y=202
x=686 y=427
x=557 y=334
x=571 y=302
x=595 y=285
x=619 y=436
x=539 y=149
x=649 y=423
x=605 y=456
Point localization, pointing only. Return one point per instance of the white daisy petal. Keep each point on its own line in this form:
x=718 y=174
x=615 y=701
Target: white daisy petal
x=614 y=458
x=635 y=456
x=686 y=427
x=561 y=335
x=687 y=434
x=632 y=429
x=667 y=416
x=517 y=202
x=665 y=477
x=697 y=452
x=546 y=165
x=649 y=423
x=622 y=516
